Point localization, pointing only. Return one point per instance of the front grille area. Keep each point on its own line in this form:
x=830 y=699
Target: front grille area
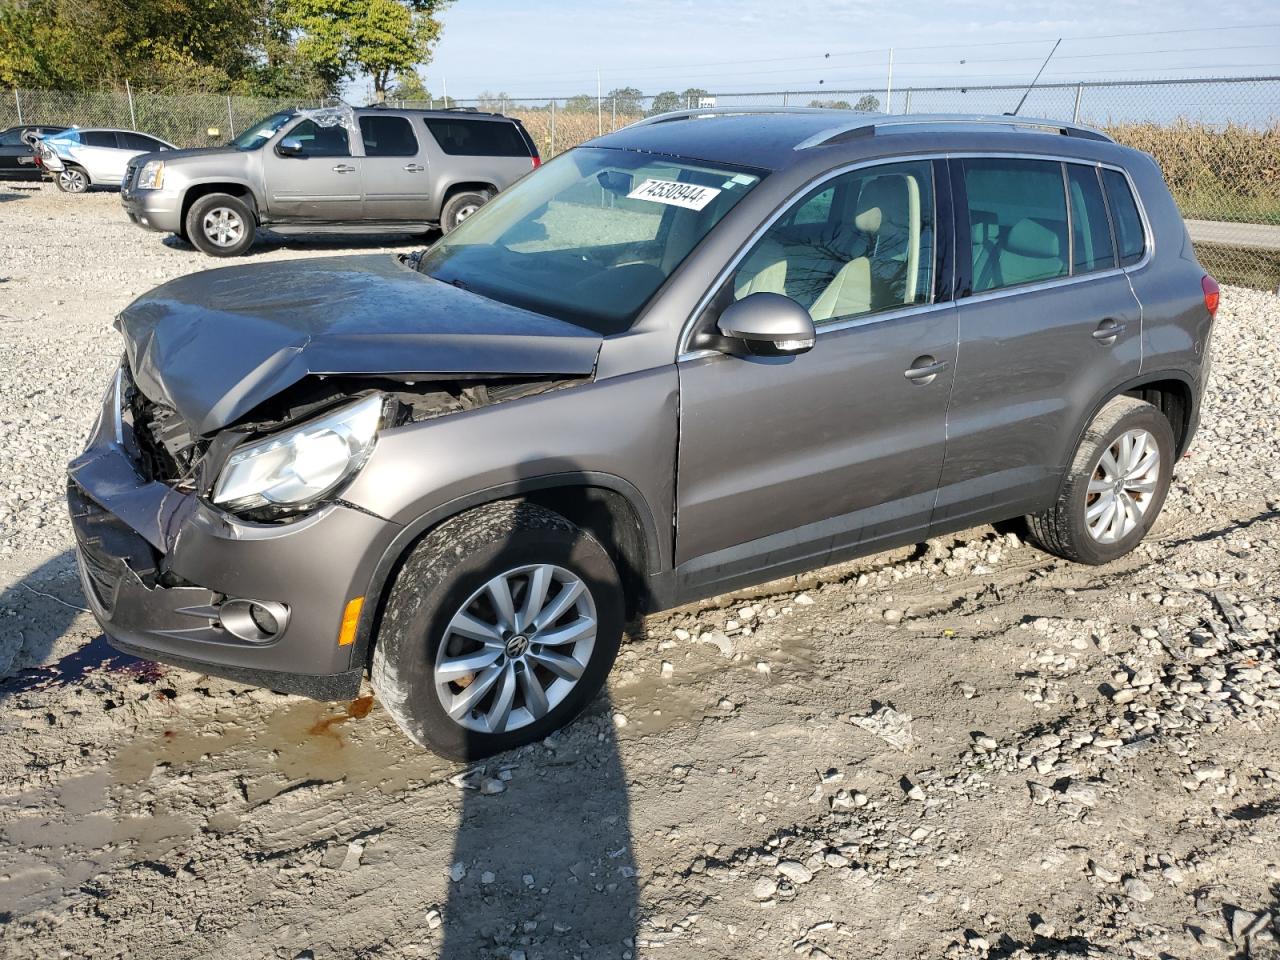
x=108 y=547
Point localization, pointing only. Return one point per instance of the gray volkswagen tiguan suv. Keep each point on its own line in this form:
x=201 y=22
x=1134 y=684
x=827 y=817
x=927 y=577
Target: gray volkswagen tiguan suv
x=707 y=350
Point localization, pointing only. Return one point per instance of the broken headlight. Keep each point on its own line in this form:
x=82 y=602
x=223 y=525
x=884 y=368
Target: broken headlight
x=152 y=175
x=299 y=466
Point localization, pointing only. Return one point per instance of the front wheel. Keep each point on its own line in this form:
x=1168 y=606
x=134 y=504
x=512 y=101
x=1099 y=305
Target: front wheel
x=220 y=225
x=501 y=626
x=1116 y=485
x=72 y=179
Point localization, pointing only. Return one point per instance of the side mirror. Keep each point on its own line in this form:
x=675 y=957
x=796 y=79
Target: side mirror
x=289 y=147
x=768 y=325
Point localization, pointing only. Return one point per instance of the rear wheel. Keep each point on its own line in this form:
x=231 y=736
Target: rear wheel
x=460 y=206
x=71 y=179
x=220 y=225
x=501 y=626
x=1115 y=488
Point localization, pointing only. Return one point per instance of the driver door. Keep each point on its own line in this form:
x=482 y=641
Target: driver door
x=323 y=182
x=788 y=463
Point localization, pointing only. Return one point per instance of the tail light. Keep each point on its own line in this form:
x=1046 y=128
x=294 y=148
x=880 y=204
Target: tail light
x=537 y=161
x=1212 y=294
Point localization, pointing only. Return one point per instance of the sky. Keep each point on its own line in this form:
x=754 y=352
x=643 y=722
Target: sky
x=553 y=48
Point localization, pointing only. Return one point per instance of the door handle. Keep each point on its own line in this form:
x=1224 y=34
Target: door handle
x=344 y=168
x=1107 y=332
x=925 y=369
x=414 y=168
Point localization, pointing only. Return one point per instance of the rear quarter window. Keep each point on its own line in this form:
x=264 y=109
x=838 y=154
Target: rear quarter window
x=477 y=138
x=1131 y=239
x=98 y=138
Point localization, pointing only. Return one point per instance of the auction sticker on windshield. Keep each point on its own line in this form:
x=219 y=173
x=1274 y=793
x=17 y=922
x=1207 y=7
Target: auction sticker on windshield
x=688 y=195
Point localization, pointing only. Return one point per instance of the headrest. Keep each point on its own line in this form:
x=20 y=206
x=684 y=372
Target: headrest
x=881 y=199
x=1033 y=238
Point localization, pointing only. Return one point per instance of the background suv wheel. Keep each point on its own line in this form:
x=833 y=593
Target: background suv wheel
x=460 y=206
x=1116 y=485
x=220 y=225
x=501 y=626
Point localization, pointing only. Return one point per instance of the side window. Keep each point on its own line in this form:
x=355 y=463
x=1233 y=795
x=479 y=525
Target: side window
x=477 y=138
x=1090 y=232
x=1018 y=221
x=320 y=141
x=386 y=136
x=11 y=138
x=98 y=138
x=136 y=141
x=1130 y=237
x=872 y=251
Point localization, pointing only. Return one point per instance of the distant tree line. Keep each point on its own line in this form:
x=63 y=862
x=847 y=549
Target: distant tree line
x=283 y=48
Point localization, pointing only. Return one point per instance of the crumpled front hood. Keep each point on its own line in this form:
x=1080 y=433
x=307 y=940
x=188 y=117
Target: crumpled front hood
x=215 y=345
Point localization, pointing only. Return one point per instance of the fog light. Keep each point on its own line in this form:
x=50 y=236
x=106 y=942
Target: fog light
x=255 y=621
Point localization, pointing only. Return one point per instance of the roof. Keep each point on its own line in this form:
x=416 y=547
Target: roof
x=775 y=138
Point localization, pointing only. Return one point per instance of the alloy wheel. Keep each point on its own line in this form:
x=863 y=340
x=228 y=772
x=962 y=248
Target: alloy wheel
x=223 y=226
x=73 y=180
x=516 y=648
x=464 y=212
x=1122 y=486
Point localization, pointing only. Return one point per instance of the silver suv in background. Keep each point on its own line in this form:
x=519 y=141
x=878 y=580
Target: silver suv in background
x=338 y=169
x=704 y=351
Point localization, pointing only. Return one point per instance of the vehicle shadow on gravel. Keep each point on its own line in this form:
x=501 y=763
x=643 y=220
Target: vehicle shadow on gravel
x=336 y=243
x=549 y=864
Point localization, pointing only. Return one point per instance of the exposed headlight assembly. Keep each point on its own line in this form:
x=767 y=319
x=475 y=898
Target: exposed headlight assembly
x=301 y=465
x=152 y=175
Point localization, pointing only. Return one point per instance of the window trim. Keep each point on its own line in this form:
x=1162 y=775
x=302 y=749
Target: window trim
x=1111 y=217
x=939 y=295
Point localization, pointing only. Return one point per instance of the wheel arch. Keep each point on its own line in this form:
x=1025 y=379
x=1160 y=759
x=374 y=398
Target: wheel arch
x=1172 y=392
x=462 y=186
x=236 y=189
x=610 y=508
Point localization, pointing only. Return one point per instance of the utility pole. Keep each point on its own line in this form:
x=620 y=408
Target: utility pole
x=888 y=90
x=445 y=84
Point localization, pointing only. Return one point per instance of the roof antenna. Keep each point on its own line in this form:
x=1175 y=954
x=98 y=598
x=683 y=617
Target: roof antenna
x=1037 y=77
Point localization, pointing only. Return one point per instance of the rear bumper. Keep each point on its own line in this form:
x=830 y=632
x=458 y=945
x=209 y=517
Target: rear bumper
x=157 y=564
x=153 y=209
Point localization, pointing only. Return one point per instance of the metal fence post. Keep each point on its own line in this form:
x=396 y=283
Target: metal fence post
x=553 y=128
x=128 y=92
x=17 y=102
x=613 y=108
x=1075 y=115
x=785 y=96
x=906 y=107
x=231 y=120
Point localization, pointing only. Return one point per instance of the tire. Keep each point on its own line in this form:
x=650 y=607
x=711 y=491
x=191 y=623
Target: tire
x=220 y=225
x=460 y=206
x=448 y=574
x=72 y=179
x=1065 y=528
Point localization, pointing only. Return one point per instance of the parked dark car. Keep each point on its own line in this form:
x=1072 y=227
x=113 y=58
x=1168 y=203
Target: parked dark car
x=702 y=352
x=18 y=153
x=340 y=169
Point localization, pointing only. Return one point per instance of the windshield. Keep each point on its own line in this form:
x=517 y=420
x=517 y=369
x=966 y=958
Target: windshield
x=591 y=236
x=261 y=132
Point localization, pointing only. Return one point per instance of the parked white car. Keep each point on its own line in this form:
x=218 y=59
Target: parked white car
x=78 y=159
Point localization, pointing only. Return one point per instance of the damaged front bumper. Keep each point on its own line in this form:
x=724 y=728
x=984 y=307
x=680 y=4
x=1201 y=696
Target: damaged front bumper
x=162 y=571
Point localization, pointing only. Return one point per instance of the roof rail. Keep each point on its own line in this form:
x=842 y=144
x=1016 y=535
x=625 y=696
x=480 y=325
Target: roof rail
x=900 y=123
x=698 y=113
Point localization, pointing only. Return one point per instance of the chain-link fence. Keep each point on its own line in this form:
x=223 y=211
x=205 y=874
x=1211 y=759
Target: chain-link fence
x=1217 y=140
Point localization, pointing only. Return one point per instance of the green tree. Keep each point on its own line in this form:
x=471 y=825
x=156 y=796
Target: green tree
x=667 y=101
x=379 y=37
x=868 y=102
x=626 y=100
x=408 y=85
x=582 y=103
x=692 y=97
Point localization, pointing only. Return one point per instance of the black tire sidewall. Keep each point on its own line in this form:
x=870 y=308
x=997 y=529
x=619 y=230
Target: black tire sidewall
x=456 y=201
x=413 y=645
x=194 y=229
x=1088 y=549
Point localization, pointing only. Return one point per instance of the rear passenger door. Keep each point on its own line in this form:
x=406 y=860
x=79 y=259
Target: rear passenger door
x=791 y=463
x=1048 y=327
x=395 y=170
x=101 y=154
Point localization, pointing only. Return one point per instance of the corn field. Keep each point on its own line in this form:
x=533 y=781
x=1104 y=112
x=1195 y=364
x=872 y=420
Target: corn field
x=1217 y=140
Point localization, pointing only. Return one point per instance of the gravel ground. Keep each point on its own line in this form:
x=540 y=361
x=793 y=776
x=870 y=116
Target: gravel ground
x=966 y=749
